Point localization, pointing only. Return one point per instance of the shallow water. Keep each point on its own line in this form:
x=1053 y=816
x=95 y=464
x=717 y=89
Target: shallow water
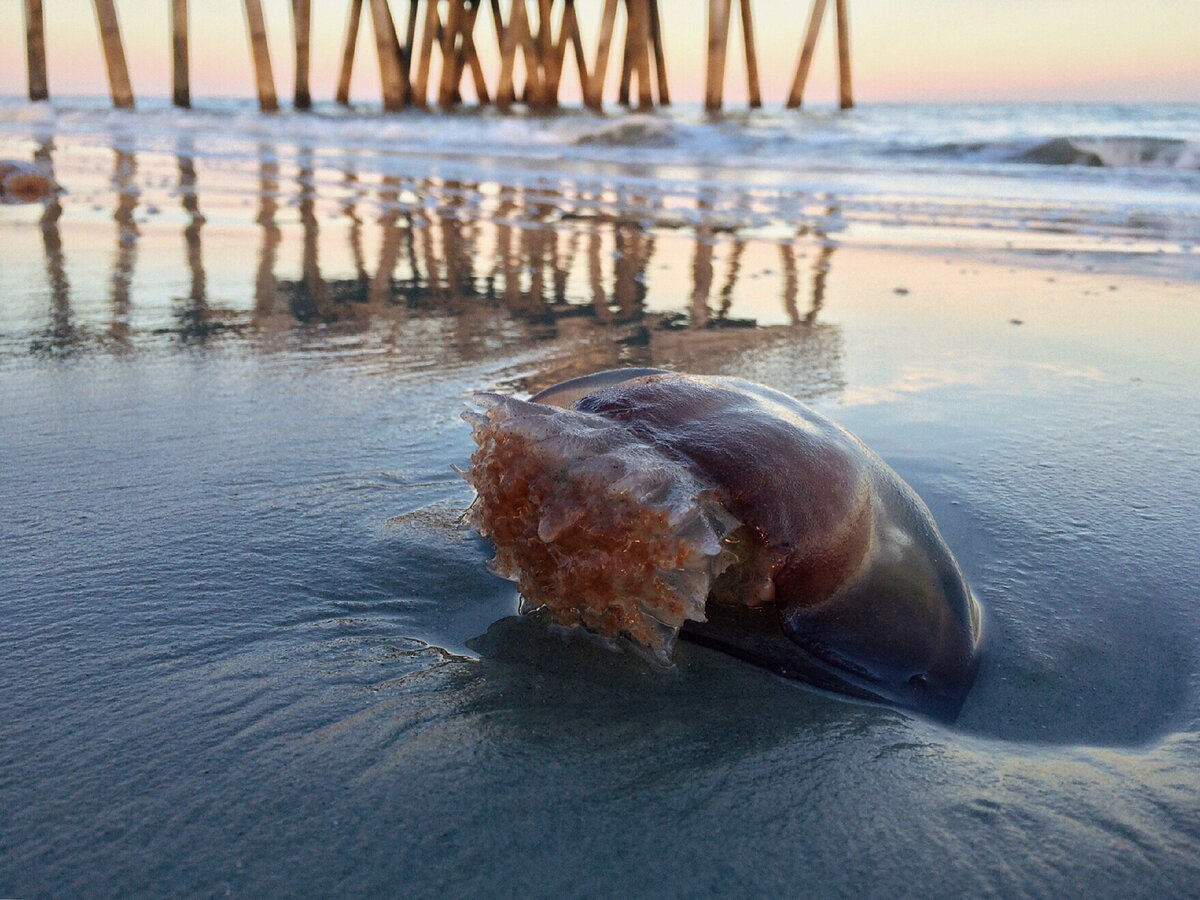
x=248 y=651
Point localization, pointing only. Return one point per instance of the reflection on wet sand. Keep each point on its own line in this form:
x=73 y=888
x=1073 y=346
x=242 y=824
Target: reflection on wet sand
x=60 y=334
x=614 y=278
x=264 y=282
x=123 y=179
x=193 y=316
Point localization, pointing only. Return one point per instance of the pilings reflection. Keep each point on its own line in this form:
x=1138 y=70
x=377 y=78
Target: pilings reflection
x=344 y=248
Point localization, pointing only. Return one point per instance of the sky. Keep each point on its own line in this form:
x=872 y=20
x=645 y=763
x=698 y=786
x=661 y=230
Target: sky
x=902 y=50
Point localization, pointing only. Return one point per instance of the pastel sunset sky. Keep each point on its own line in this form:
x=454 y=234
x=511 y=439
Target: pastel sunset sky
x=903 y=50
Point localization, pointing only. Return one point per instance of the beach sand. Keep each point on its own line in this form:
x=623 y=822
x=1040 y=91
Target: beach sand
x=249 y=652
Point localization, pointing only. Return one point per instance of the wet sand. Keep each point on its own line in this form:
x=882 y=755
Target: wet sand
x=250 y=653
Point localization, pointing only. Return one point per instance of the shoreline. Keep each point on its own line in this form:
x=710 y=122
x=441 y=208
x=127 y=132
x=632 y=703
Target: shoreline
x=242 y=627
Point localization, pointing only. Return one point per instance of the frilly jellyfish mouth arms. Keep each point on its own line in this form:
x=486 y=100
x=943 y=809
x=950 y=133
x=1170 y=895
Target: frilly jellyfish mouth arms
x=644 y=505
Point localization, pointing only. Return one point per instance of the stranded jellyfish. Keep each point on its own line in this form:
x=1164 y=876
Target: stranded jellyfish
x=22 y=182
x=645 y=506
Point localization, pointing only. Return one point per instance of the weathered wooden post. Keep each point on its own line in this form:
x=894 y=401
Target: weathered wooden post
x=114 y=54
x=845 y=94
x=796 y=95
x=568 y=34
x=719 y=17
x=301 y=30
x=751 y=56
x=35 y=50
x=263 y=76
x=433 y=24
x=594 y=93
x=181 y=94
x=343 y=88
x=643 y=39
x=393 y=77
x=660 y=61
x=718 y=39
x=448 y=93
x=516 y=34
x=637 y=53
x=458 y=52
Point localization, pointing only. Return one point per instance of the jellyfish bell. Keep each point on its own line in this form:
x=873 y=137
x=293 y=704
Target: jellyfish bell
x=645 y=506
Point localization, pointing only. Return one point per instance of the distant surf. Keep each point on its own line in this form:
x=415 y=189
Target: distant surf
x=1107 y=152
x=1114 y=172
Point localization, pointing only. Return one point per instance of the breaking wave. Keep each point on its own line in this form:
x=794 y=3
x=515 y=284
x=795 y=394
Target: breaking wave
x=1097 y=152
x=1108 y=171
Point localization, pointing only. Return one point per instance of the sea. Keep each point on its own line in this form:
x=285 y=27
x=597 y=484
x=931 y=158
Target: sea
x=249 y=650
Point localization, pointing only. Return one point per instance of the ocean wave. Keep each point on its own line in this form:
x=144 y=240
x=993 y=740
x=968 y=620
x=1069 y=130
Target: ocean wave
x=1113 y=173
x=763 y=139
x=1115 y=152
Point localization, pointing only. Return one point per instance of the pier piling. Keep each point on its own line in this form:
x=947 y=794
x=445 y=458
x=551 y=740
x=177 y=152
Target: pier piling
x=181 y=94
x=845 y=93
x=35 y=50
x=343 y=87
x=301 y=29
x=594 y=95
x=720 y=14
x=751 y=56
x=263 y=77
x=114 y=54
x=796 y=95
x=393 y=76
x=533 y=39
x=660 y=60
x=718 y=39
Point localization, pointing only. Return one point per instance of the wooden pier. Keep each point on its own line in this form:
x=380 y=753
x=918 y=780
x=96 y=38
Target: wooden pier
x=533 y=39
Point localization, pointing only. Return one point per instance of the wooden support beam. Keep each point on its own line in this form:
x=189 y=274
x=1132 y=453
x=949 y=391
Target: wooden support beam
x=517 y=35
x=468 y=55
x=751 y=56
x=549 y=58
x=845 y=93
x=535 y=50
x=448 y=87
x=352 y=26
x=571 y=30
x=509 y=39
x=393 y=81
x=718 y=40
x=501 y=31
x=556 y=55
x=114 y=54
x=181 y=93
x=410 y=35
x=433 y=24
x=301 y=30
x=544 y=37
x=638 y=28
x=263 y=76
x=796 y=95
x=568 y=36
x=626 y=58
x=594 y=94
x=660 y=61
x=459 y=53
x=35 y=50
